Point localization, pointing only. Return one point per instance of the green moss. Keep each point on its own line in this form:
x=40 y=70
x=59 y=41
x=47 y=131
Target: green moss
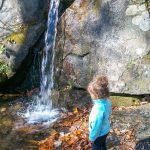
x=124 y=101
x=146 y=58
x=4 y=71
x=97 y=5
x=4 y=68
x=2 y=48
x=131 y=65
x=148 y=5
x=18 y=37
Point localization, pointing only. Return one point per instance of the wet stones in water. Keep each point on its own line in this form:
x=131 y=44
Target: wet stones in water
x=143 y=144
x=2 y=109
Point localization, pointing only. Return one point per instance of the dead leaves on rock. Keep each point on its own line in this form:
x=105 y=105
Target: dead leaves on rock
x=128 y=140
x=122 y=139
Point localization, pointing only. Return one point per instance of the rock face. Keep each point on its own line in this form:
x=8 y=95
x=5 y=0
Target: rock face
x=108 y=37
x=21 y=24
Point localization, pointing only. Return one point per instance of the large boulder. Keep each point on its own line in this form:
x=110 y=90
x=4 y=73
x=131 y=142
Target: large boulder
x=22 y=23
x=108 y=37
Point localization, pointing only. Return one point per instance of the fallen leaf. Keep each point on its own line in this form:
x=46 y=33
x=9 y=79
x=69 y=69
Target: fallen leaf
x=117 y=131
x=75 y=110
x=78 y=132
x=72 y=140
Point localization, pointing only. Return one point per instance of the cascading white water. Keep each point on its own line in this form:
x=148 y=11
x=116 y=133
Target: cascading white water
x=41 y=110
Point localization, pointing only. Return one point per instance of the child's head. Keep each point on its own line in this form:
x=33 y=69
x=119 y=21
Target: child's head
x=98 y=87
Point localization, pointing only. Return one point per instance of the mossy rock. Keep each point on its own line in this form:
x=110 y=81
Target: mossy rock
x=146 y=58
x=7 y=122
x=2 y=48
x=97 y=5
x=4 y=69
x=5 y=97
x=148 y=5
x=55 y=96
x=18 y=37
x=124 y=101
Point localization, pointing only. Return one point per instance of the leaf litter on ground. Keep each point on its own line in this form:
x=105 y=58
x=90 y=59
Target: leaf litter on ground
x=71 y=133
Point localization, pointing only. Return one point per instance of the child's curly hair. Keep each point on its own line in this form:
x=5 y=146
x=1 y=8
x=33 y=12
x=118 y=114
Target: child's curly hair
x=98 y=87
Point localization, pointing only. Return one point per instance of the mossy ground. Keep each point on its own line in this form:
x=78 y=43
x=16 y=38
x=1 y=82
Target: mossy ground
x=124 y=101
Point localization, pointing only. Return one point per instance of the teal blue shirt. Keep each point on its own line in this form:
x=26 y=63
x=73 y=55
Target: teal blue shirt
x=99 y=123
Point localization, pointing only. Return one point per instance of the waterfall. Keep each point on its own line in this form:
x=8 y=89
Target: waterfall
x=41 y=109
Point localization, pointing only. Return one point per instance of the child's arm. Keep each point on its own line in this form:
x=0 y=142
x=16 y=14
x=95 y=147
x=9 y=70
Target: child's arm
x=95 y=124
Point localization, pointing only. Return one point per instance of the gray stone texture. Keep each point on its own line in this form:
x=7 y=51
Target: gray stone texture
x=21 y=24
x=109 y=38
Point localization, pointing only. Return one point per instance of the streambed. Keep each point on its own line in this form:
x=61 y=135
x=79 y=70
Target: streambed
x=15 y=132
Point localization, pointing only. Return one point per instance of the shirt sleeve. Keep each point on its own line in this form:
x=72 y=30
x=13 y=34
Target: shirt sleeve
x=95 y=124
x=110 y=107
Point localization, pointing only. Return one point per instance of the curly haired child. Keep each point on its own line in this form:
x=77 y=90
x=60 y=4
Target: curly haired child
x=99 y=124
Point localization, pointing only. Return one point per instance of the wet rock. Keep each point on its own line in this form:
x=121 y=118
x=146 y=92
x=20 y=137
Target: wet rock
x=6 y=121
x=15 y=108
x=3 y=110
x=6 y=97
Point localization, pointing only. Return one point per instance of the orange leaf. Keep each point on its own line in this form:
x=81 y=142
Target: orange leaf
x=75 y=110
x=128 y=137
x=86 y=147
x=78 y=132
x=72 y=140
x=85 y=137
x=67 y=138
x=86 y=129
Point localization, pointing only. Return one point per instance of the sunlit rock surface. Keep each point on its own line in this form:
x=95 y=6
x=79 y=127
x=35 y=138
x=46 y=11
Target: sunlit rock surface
x=111 y=38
